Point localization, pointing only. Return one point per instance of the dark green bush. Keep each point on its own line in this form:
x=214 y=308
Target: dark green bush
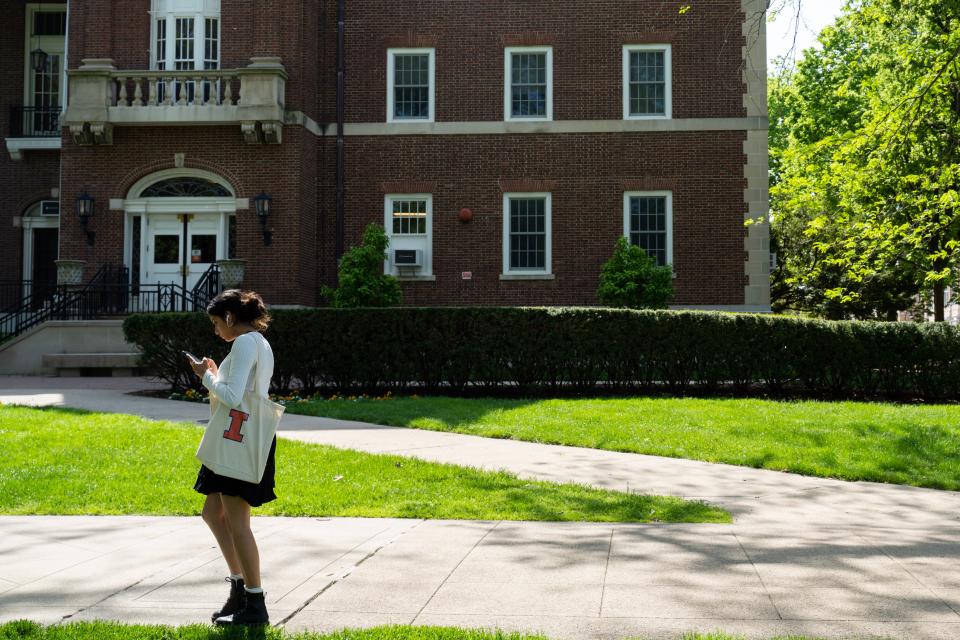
x=575 y=350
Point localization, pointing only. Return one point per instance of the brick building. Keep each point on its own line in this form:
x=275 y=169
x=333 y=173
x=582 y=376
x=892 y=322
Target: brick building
x=503 y=145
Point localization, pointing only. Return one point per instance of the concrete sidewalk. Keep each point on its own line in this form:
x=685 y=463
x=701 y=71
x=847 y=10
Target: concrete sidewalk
x=807 y=556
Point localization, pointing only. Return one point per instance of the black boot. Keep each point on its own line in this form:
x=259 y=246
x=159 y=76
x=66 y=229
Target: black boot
x=253 y=611
x=234 y=601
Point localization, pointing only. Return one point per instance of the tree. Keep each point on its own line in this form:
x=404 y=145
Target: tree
x=865 y=182
x=362 y=282
x=630 y=278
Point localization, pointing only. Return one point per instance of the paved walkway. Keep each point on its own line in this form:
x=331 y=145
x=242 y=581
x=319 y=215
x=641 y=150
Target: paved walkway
x=807 y=556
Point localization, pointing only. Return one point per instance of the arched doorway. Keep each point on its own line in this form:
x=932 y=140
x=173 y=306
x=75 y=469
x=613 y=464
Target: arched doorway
x=178 y=224
x=41 y=235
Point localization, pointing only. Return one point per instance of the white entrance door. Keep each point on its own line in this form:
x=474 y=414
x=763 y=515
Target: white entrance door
x=180 y=247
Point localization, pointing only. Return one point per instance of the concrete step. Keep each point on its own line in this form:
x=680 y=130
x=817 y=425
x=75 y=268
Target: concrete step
x=75 y=364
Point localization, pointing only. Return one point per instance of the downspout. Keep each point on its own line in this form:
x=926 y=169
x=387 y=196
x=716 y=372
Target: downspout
x=341 y=73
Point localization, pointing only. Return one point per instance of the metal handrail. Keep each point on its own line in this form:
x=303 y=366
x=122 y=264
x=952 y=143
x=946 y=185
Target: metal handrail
x=207 y=286
x=108 y=294
x=34 y=122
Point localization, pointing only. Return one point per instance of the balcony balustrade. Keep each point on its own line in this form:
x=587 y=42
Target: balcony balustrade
x=102 y=97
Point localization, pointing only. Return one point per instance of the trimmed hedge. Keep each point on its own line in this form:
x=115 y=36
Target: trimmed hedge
x=575 y=350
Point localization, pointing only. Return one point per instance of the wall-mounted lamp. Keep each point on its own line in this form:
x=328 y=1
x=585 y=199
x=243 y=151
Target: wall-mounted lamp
x=38 y=59
x=263 y=204
x=85 y=208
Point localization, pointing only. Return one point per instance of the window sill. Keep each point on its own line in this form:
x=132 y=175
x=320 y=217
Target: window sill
x=527 y=276
x=416 y=278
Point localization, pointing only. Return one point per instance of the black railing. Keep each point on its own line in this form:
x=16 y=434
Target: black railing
x=207 y=287
x=34 y=122
x=108 y=294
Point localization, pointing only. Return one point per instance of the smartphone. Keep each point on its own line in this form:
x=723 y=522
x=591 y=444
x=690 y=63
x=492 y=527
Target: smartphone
x=192 y=357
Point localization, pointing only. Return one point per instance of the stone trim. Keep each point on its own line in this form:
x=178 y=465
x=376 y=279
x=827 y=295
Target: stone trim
x=756 y=169
x=659 y=125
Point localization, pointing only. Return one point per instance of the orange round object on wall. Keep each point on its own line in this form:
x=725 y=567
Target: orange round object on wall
x=465 y=215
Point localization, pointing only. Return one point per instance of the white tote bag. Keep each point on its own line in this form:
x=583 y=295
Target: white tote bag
x=236 y=443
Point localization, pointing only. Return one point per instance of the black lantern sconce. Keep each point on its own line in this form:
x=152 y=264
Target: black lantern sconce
x=38 y=59
x=264 y=203
x=85 y=208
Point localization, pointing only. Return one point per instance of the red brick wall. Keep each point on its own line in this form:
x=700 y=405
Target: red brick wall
x=587 y=175
x=29 y=180
x=587 y=40
x=285 y=271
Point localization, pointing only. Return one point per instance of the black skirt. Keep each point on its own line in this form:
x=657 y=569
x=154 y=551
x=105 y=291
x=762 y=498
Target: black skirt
x=255 y=494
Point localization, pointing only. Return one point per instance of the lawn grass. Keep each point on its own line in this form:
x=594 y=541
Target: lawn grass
x=24 y=630
x=900 y=444
x=69 y=462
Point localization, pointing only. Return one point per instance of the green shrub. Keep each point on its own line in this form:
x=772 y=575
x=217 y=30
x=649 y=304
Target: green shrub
x=362 y=282
x=555 y=351
x=631 y=279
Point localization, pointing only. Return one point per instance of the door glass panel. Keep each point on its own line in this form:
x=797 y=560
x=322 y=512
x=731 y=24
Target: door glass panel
x=166 y=249
x=203 y=249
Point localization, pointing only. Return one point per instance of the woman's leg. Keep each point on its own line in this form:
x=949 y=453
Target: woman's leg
x=237 y=514
x=213 y=515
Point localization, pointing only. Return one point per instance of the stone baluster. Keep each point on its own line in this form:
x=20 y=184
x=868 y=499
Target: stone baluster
x=181 y=84
x=122 y=96
x=198 y=90
x=152 y=91
x=168 y=88
x=228 y=90
x=138 y=92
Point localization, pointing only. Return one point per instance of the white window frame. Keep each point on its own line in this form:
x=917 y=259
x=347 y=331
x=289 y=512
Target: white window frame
x=548 y=244
x=391 y=72
x=171 y=11
x=30 y=42
x=389 y=267
x=627 y=195
x=667 y=77
x=508 y=84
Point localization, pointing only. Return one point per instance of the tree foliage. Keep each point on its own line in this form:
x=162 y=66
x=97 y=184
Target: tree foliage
x=865 y=148
x=362 y=282
x=631 y=279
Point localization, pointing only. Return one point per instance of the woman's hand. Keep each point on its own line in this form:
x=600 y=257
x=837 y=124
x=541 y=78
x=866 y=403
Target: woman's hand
x=203 y=366
x=211 y=366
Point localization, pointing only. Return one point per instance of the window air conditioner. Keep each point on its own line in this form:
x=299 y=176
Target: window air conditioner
x=408 y=258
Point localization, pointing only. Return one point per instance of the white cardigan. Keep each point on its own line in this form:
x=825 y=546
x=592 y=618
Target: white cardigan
x=234 y=373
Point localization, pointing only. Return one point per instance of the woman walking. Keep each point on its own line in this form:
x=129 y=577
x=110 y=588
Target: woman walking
x=238 y=317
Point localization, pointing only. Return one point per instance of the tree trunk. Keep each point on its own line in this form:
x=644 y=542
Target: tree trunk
x=938 y=302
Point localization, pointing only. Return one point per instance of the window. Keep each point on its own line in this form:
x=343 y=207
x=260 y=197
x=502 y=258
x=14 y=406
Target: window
x=647 y=82
x=410 y=85
x=526 y=233
x=186 y=37
x=44 y=31
x=648 y=223
x=408 y=219
x=528 y=83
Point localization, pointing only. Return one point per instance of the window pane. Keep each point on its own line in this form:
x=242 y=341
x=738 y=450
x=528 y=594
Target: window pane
x=528 y=85
x=411 y=86
x=647 y=83
x=203 y=249
x=161 y=44
x=166 y=249
x=648 y=226
x=528 y=237
x=409 y=217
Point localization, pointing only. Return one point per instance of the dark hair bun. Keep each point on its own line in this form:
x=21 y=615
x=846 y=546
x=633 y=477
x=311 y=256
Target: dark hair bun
x=246 y=306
